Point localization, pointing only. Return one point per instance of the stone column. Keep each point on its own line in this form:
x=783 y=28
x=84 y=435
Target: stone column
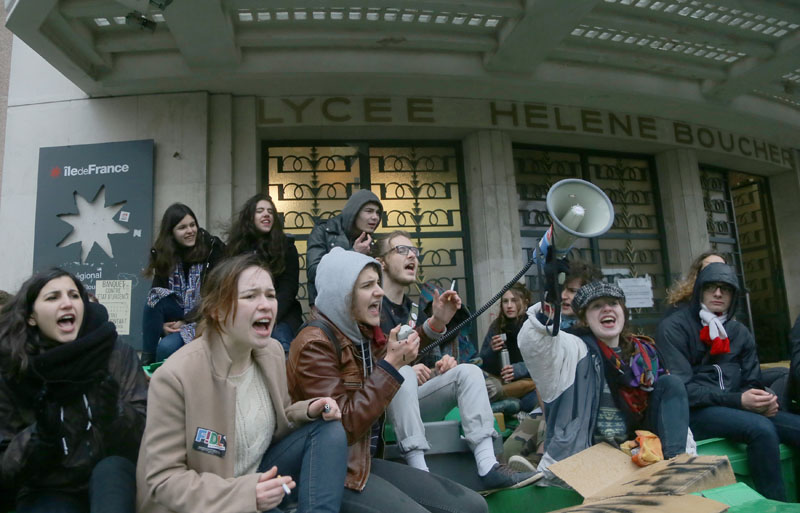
x=785 y=189
x=682 y=203
x=247 y=176
x=493 y=216
x=219 y=192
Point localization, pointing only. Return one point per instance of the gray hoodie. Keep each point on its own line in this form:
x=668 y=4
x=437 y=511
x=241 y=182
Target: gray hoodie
x=333 y=233
x=338 y=272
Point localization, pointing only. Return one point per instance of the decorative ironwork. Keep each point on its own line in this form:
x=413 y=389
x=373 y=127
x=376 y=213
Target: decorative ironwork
x=302 y=191
x=713 y=182
x=621 y=172
x=541 y=163
x=434 y=190
x=629 y=256
x=418 y=186
x=315 y=163
x=535 y=217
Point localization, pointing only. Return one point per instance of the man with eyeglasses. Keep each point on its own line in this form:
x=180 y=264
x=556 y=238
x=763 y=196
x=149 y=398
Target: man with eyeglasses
x=434 y=386
x=716 y=358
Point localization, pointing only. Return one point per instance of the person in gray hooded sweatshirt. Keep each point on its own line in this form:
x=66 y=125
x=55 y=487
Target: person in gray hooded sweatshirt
x=352 y=229
x=342 y=353
x=715 y=357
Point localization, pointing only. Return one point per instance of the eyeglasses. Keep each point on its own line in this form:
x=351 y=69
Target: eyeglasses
x=713 y=286
x=403 y=250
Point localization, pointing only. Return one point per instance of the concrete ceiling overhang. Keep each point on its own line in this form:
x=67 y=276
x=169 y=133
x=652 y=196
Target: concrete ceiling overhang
x=724 y=63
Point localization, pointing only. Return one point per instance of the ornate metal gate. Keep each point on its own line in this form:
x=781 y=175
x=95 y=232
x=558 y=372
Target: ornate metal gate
x=420 y=186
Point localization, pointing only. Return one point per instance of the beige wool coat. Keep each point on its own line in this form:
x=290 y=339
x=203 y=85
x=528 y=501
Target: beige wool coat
x=186 y=458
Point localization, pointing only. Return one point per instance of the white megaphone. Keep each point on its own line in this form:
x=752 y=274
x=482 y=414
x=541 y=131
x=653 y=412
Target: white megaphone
x=578 y=209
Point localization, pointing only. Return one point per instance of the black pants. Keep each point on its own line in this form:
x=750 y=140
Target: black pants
x=397 y=487
x=112 y=488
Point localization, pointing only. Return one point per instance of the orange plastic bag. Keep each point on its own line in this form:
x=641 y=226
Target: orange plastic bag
x=645 y=450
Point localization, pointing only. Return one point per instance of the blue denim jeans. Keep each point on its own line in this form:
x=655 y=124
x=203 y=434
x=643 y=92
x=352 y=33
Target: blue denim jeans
x=153 y=319
x=168 y=345
x=112 y=488
x=668 y=414
x=762 y=436
x=315 y=455
x=284 y=334
x=397 y=487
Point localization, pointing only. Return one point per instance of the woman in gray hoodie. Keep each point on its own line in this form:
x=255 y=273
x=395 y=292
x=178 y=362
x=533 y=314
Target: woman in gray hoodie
x=342 y=353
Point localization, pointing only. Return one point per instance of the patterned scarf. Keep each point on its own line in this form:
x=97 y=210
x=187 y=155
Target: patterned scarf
x=637 y=376
x=186 y=289
x=713 y=332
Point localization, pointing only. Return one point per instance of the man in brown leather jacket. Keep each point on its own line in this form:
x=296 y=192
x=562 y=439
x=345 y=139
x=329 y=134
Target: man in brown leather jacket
x=359 y=370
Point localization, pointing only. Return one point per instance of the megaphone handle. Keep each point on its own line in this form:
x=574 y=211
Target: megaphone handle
x=556 y=319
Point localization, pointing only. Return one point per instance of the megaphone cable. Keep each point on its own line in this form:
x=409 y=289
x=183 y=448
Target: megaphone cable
x=458 y=327
x=571 y=218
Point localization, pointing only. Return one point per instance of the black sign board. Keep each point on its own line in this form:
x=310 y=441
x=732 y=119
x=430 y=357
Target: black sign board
x=94 y=218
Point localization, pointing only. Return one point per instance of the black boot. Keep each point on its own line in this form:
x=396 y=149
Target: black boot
x=147 y=358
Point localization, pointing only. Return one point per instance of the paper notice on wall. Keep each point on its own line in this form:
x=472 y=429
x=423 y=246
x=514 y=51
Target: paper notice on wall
x=638 y=291
x=115 y=295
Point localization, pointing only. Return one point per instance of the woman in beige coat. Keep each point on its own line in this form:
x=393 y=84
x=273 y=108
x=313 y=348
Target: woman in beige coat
x=221 y=433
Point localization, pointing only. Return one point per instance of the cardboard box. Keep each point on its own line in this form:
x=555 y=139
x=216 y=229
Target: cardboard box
x=609 y=481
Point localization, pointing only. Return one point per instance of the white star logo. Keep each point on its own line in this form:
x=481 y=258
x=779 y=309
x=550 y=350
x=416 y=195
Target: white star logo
x=93 y=223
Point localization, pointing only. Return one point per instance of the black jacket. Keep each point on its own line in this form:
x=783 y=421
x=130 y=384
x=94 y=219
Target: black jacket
x=711 y=380
x=29 y=463
x=332 y=233
x=491 y=358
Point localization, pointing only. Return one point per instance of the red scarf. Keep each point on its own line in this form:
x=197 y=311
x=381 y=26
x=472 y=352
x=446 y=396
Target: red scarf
x=718 y=345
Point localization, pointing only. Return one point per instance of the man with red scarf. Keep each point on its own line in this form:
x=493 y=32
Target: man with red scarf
x=716 y=358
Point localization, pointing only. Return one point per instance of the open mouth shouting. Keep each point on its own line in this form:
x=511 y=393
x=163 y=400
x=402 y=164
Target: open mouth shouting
x=263 y=326
x=608 y=321
x=66 y=323
x=374 y=308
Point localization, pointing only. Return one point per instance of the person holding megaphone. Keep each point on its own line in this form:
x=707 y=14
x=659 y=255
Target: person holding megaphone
x=600 y=368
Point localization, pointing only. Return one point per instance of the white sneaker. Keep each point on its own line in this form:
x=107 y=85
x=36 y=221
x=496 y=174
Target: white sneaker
x=520 y=464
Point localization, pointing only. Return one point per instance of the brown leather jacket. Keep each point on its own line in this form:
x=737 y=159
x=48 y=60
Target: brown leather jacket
x=314 y=370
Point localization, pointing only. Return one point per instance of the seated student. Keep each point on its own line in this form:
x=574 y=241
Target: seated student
x=432 y=388
x=585 y=407
x=516 y=378
x=348 y=357
x=352 y=229
x=222 y=434
x=72 y=401
x=181 y=257
x=715 y=356
x=258 y=229
x=579 y=274
x=680 y=293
